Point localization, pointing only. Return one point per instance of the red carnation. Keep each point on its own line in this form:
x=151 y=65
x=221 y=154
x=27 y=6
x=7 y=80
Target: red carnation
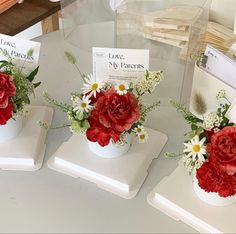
x=94 y=99
x=98 y=133
x=7 y=89
x=212 y=179
x=6 y=113
x=117 y=112
x=222 y=150
x=112 y=115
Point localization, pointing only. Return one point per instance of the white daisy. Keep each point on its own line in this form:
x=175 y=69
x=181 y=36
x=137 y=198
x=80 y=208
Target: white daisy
x=196 y=148
x=121 y=88
x=91 y=86
x=82 y=105
x=139 y=130
x=143 y=137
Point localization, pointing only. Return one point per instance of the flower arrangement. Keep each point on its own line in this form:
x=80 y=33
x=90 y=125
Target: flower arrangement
x=106 y=111
x=15 y=89
x=210 y=147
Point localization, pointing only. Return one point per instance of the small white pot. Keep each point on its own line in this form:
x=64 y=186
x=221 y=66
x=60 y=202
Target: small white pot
x=112 y=150
x=212 y=198
x=11 y=129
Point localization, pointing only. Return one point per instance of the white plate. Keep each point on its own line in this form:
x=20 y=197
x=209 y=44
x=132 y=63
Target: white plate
x=175 y=196
x=26 y=151
x=122 y=176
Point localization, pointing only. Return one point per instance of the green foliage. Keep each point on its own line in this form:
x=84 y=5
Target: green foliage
x=146 y=110
x=32 y=75
x=188 y=116
x=23 y=83
x=78 y=121
x=61 y=106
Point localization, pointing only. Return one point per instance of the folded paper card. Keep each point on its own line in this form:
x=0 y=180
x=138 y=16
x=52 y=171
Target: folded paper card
x=221 y=66
x=24 y=53
x=119 y=64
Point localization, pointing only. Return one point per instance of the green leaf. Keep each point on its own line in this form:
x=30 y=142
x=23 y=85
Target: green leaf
x=3 y=64
x=33 y=74
x=37 y=84
x=3 y=61
x=194 y=127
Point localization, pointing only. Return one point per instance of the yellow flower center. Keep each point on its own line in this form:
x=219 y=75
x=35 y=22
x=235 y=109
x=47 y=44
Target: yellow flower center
x=83 y=105
x=196 y=148
x=121 y=87
x=94 y=86
x=139 y=130
x=142 y=137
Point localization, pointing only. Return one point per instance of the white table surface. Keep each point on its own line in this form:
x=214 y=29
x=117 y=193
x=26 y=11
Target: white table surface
x=47 y=201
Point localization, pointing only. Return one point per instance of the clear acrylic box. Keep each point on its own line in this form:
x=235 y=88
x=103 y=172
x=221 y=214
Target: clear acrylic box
x=171 y=29
x=89 y=23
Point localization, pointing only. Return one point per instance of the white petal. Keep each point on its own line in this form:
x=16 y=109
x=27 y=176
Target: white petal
x=202 y=141
x=190 y=155
x=201 y=157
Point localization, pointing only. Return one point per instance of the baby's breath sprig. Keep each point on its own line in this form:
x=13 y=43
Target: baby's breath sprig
x=146 y=110
x=188 y=116
x=63 y=107
x=173 y=155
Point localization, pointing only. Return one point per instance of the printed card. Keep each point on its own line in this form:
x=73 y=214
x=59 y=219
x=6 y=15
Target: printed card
x=119 y=64
x=24 y=53
x=231 y=113
x=221 y=66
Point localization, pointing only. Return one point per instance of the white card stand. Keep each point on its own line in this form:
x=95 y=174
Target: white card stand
x=26 y=151
x=122 y=176
x=175 y=196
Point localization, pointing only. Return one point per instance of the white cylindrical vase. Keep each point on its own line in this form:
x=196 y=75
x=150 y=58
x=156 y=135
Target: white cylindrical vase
x=212 y=198
x=11 y=129
x=112 y=150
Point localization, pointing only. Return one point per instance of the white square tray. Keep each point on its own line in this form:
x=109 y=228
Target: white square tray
x=175 y=196
x=122 y=176
x=26 y=151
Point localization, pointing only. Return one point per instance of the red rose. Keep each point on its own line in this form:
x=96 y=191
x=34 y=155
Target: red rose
x=212 y=179
x=6 y=113
x=98 y=133
x=117 y=112
x=222 y=150
x=7 y=89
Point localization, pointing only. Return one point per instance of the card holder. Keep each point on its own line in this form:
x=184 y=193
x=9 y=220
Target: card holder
x=208 y=86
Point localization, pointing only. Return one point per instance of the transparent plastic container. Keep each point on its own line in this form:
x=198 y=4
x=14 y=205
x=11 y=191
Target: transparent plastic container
x=89 y=23
x=172 y=30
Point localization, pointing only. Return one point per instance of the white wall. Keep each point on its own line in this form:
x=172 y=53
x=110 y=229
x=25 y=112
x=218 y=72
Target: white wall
x=223 y=11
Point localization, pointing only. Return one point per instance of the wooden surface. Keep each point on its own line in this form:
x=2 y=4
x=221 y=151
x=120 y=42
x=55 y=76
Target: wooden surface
x=22 y=16
x=50 y=24
x=6 y=4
